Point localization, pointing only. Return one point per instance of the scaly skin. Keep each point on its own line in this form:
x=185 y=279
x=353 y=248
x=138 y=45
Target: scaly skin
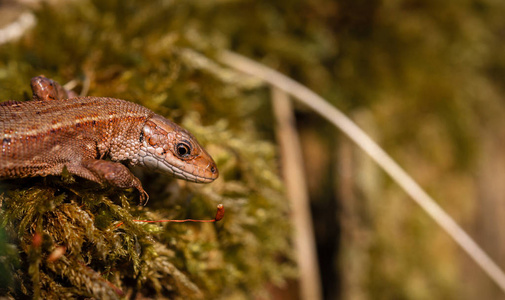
x=42 y=136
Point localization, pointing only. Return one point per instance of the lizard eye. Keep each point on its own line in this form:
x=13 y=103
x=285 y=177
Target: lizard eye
x=183 y=150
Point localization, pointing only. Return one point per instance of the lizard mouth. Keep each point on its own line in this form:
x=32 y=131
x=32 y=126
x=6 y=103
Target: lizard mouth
x=191 y=172
x=182 y=174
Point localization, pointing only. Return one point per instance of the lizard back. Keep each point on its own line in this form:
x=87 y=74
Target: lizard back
x=39 y=137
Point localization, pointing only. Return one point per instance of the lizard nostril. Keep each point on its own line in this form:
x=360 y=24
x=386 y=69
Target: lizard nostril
x=213 y=170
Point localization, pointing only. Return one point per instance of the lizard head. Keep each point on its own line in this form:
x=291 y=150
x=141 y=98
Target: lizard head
x=166 y=147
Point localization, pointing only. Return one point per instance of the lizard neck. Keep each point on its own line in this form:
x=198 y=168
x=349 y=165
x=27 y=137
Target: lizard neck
x=124 y=143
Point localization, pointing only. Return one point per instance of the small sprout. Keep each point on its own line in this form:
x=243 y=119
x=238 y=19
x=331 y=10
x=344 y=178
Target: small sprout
x=219 y=216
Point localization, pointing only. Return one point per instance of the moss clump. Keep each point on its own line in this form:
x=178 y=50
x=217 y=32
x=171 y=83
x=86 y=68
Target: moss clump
x=155 y=54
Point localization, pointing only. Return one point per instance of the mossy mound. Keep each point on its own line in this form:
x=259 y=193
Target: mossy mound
x=63 y=237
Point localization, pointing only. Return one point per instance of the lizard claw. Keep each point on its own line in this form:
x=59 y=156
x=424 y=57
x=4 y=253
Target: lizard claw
x=144 y=197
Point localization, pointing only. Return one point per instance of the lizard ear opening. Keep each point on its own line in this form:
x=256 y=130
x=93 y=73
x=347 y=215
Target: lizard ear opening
x=141 y=138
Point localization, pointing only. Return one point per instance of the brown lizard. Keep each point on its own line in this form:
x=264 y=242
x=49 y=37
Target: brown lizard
x=57 y=130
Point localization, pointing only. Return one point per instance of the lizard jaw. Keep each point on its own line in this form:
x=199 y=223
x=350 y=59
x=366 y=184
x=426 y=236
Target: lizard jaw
x=157 y=164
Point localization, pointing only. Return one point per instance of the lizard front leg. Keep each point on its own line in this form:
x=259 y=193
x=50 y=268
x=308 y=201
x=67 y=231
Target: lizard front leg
x=113 y=173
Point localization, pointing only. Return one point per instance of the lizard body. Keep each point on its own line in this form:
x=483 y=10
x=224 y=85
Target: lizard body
x=42 y=136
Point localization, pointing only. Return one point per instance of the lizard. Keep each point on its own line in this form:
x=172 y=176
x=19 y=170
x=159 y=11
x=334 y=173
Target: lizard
x=57 y=130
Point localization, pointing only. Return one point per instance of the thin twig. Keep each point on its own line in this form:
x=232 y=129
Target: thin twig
x=296 y=189
x=357 y=135
x=16 y=29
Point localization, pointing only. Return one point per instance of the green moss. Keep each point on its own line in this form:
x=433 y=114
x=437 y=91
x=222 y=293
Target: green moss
x=153 y=54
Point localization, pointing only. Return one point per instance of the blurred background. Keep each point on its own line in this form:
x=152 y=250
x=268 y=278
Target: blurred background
x=424 y=78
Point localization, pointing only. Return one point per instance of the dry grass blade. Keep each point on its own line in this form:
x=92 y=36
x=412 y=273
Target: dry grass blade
x=336 y=117
x=296 y=189
x=16 y=29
